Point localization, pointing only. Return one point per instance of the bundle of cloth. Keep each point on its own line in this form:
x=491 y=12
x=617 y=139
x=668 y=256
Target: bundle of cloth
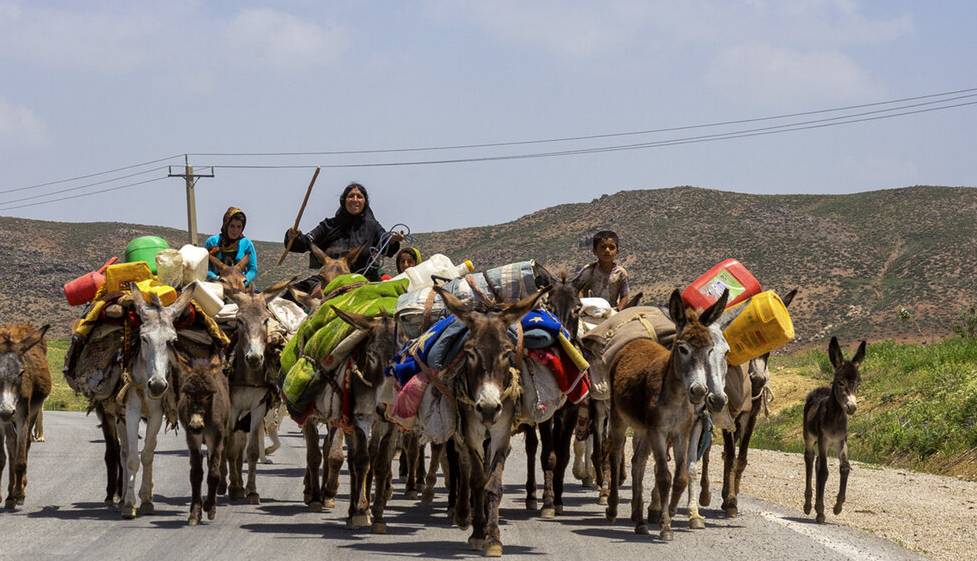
x=323 y=342
x=556 y=369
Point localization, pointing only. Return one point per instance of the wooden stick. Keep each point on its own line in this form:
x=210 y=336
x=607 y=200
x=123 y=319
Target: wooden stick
x=298 y=219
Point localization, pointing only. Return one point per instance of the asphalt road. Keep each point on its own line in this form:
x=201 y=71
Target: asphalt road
x=64 y=518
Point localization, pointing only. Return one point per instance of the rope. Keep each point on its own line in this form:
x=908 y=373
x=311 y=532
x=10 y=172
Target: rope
x=766 y=397
x=378 y=252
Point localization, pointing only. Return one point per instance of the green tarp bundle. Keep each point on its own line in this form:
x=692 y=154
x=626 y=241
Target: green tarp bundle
x=323 y=330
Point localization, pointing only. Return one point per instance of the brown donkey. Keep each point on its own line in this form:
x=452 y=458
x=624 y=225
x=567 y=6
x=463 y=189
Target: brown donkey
x=487 y=388
x=231 y=276
x=654 y=390
x=203 y=409
x=25 y=383
x=826 y=412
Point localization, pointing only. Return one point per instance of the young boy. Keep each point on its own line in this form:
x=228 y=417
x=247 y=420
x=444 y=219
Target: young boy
x=604 y=278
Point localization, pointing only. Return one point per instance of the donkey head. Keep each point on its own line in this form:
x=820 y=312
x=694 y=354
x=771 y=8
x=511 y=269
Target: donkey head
x=157 y=336
x=331 y=268
x=200 y=383
x=252 y=322
x=847 y=378
x=310 y=301
x=14 y=344
x=693 y=349
x=231 y=276
x=563 y=300
x=491 y=362
x=380 y=344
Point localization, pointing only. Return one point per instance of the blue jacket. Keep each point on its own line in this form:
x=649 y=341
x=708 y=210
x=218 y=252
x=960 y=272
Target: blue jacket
x=244 y=247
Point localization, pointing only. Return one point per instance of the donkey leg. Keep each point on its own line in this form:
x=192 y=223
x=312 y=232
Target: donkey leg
x=10 y=457
x=333 y=452
x=705 y=497
x=111 y=456
x=639 y=461
x=601 y=459
x=235 y=461
x=844 y=469
x=680 y=482
x=563 y=438
x=663 y=481
x=382 y=464
x=741 y=458
x=418 y=465
x=431 y=478
x=729 y=456
x=822 y=473
x=37 y=433
x=532 y=445
x=359 y=460
x=460 y=472
x=548 y=461
x=410 y=450
x=313 y=458
x=153 y=425
x=493 y=494
x=255 y=448
x=617 y=436
x=696 y=520
x=477 y=483
x=196 y=477
x=809 y=455
x=20 y=462
x=3 y=456
x=215 y=451
x=133 y=406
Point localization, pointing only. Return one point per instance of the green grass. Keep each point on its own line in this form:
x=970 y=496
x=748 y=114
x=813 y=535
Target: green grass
x=61 y=398
x=917 y=406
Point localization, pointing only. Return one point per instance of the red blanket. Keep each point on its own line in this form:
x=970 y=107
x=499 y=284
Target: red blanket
x=572 y=381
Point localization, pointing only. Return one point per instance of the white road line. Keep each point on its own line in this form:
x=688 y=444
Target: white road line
x=820 y=536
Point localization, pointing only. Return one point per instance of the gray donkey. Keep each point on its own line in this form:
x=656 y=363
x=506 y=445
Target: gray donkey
x=826 y=412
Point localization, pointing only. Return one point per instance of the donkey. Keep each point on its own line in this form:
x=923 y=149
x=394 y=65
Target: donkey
x=253 y=364
x=25 y=382
x=745 y=390
x=654 y=391
x=488 y=388
x=203 y=409
x=826 y=412
x=231 y=276
x=150 y=380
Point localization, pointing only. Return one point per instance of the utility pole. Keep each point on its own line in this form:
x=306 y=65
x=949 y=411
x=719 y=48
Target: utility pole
x=191 y=180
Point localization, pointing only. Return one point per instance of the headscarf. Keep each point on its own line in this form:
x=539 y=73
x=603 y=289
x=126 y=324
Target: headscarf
x=343 y=221
x=227 y=249
x=413 y=251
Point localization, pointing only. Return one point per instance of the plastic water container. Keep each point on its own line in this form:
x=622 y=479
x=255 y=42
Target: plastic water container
x=116 y=276
x=150 y=287
x=731 y=274
x=762 y=326
x=209 y=296
x=195 y=262
x=439 y=265
x=169 y=267
x=145 y=248
x=83 y=289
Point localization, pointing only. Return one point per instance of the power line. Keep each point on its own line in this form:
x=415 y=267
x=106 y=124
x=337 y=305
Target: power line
x=79 y=187
x=60 y=199
x=745 y=133
x=90 y=175
x=591 y=136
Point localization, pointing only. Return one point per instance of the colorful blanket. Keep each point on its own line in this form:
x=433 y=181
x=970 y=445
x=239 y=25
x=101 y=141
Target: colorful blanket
x=322 y=332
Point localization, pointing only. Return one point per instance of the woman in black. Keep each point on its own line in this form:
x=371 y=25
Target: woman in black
x=352 y=227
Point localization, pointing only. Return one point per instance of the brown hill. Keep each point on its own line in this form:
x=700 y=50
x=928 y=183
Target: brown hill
x=857 y=258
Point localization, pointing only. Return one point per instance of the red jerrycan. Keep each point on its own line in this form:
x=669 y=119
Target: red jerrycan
x=82 y=290
x=731 y=274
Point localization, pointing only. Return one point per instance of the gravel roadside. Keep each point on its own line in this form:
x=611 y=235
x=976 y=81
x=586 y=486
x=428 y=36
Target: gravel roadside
x=930 y=514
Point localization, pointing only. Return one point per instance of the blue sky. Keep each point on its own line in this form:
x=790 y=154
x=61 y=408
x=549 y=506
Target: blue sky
x=91 y=86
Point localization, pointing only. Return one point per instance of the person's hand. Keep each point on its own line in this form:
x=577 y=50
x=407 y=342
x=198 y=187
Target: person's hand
x=397 y=237
x=293 y=233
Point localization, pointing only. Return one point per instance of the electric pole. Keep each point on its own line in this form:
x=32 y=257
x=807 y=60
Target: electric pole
x=191 y=180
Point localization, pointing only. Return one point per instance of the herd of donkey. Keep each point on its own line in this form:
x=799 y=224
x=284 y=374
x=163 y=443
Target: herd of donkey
x=662 y=395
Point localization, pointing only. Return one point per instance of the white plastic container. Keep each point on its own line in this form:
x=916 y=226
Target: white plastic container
x=195 y=262
x=169 y=267
x=210 y=297
x=439 y=265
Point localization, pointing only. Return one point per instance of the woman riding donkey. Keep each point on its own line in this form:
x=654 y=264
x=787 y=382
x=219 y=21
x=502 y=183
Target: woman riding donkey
x=352 y=228
x=231 y=249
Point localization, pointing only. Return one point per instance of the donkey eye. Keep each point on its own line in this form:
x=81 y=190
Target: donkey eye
x=684 y=350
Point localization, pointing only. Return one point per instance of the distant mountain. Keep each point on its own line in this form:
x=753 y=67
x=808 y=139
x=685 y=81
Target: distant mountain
x=857 y=259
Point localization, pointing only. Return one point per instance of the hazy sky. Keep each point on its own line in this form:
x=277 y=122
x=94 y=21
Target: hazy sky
x=90 y=86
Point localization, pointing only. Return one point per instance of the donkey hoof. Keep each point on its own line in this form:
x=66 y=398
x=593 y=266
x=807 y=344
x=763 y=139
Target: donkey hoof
x=705 y=497
x=493 y=550
x=819 y=518
x=602 y=500
x=410 y=495
x=667 y=535
x=212 y=513
x=329 y=504
x=807 y=508
x=235 y=494
x=147 y=508
x=559 y=509
x=10 y=504
x=837 y=509
x=731 y=512
x=222 y=488
x=128 y=512
x=532 y=504
x=610 y=515
x=379 y=528
x=359 y=521
x=654 y=515
x=193 y=520
x=427 y=497
x=477 y=544
x=641 y=530
x=547 y=512
x=254 y=499
x=315 y=506
x=267 y=461
x=697 y=523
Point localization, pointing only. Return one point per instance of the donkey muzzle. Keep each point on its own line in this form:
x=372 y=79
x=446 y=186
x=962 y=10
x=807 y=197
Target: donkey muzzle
x=489 y=410
x=716 y=402
x=6 y=412
x=851 y=404
x=698 y=392
x=196 y=422
x=156 y=387
x=254 y=360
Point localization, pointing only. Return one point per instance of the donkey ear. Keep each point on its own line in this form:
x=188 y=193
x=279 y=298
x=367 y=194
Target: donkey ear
x=276 y=290
x=544 y=278
x=859 y=355
x=177 y=308
x=634 y=301
x=514 y=313
x=243 y=263
x=137 y=298
x=318 y=253
x=355 y=320
x=834 y=353
x=453 y=304
x=713 y=312
x=354 y=255
x=676 y=310
x=34 y=338
x=789 y=298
